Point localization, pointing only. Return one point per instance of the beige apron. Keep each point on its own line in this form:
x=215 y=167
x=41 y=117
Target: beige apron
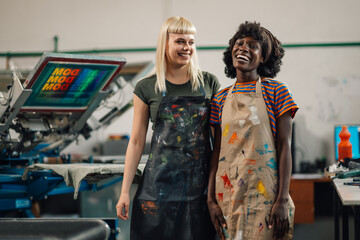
x=247 y=176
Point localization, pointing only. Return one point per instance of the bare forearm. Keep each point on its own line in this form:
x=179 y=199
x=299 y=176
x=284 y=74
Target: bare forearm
x=214 y=164
x=132 y=159
x=136 y=143
x=212 y=175
x=284 y=172
x=284 y=129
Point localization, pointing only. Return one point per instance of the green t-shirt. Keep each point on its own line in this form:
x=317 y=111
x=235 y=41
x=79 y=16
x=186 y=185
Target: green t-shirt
x=145 y=90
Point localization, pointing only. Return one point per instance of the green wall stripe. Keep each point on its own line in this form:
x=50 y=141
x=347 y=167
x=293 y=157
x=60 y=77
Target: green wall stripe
x=300 y=45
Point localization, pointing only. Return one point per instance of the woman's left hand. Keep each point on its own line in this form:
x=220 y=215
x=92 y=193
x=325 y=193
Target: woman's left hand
x=279 y=220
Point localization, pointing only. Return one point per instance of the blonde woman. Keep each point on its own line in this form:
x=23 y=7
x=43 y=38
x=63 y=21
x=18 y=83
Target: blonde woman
x=170 y=202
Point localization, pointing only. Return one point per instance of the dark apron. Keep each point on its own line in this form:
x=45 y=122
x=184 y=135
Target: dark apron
x=170 y=202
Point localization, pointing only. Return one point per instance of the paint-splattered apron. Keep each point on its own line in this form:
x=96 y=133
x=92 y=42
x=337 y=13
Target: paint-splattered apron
x=247 y=176
x=170 y=202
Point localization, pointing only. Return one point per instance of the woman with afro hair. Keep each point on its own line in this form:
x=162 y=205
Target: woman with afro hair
x=250 y=170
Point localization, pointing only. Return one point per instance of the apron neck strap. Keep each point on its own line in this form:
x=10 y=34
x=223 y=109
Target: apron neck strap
x=258 y=92
x=230 y=92
x=258 y=88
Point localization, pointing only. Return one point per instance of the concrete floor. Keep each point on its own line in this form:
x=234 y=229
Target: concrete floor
x=321 y=229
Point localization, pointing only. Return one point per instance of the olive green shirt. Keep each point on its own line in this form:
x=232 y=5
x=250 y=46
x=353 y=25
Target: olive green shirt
x=145 y=90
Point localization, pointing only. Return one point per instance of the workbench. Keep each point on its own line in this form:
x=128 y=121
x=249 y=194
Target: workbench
x=346 y=198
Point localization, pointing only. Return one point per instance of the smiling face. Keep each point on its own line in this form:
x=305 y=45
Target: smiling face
x=247 y=55
x=179 y=49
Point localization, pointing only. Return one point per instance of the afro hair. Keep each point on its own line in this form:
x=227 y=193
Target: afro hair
x=272 y=51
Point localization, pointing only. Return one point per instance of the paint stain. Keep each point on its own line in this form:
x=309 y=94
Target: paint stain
x=163 y=160
x=175 y=106
x=247 y=133
x=250 y=161
x=254 y=117
x=243 y=152
x=220 y=197
x=237 y=202
x=226 y=130
x=196 y=154
x=265 y=150
x=261 y=227
x=241 y=123
x=234 y=138
x=149 y=207
x=241 y=182
x=237 y=172
x=267 y=220
x=222 y=159
x=238 y=235
x=178 y=139
x=261 y=189
x=272 y=164
x=225 y=231
x=226 y=180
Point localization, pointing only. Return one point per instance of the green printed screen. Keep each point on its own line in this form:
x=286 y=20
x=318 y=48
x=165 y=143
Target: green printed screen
x=68 y=85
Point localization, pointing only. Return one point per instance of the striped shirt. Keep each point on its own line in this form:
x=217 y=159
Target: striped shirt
x=277 y=97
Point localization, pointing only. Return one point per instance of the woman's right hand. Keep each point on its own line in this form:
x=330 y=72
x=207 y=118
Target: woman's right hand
x=217 y=219
x=122 y=207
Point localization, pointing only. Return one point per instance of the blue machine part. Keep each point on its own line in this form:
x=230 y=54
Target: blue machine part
x=43 y=115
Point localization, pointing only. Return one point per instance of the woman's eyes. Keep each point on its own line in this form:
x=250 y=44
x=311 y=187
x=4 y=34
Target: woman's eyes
x=184 y=42
x=253 y=46
x=249 y=45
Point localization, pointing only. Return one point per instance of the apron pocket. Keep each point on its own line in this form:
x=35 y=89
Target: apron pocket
x=256 y=222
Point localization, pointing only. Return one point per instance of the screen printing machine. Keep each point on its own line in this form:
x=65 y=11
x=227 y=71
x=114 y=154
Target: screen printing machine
x=61 y=99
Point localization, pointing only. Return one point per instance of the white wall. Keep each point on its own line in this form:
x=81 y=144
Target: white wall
x=325 y=81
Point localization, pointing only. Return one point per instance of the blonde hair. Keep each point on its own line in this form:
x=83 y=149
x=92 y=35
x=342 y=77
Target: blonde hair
x=179 y=25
